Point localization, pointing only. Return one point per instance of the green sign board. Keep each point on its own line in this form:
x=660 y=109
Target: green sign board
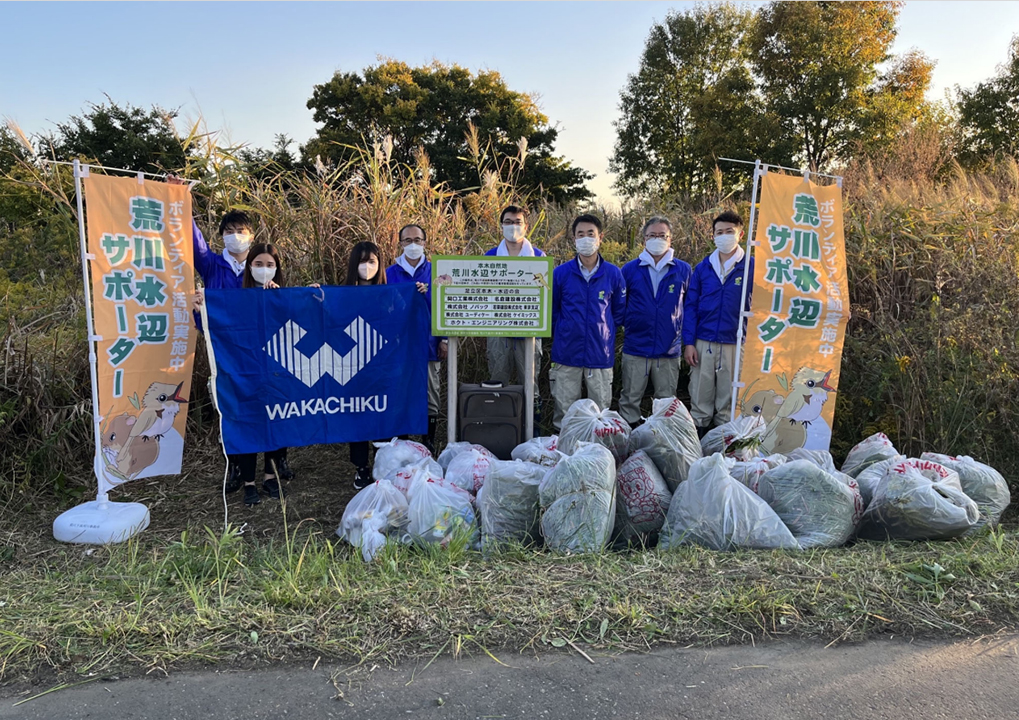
x=491 y=296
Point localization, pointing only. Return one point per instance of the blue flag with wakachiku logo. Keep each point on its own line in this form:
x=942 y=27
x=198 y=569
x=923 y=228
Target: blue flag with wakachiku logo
x=308 y=366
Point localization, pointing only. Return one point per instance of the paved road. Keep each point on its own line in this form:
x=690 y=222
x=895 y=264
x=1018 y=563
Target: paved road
x=879 y=680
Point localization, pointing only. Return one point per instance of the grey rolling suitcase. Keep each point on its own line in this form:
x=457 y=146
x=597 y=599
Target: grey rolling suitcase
x=492 y=415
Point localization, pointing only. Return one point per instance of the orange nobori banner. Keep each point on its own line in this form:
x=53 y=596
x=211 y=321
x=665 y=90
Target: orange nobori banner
x=793 y=350
x=142 y=273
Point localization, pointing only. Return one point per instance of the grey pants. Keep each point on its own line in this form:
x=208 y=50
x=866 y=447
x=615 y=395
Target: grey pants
x=711 y=383
x=506 y=355
x=566 y=381
x=664 y=375
x=434 y=387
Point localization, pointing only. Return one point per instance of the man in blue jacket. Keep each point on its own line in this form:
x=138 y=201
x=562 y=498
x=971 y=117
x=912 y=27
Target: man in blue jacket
x=712 y=314
x=656 y=284
x=588 y=302
x=505 y=354
x=412 y=266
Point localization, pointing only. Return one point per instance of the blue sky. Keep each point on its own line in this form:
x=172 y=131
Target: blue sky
x=249 y=68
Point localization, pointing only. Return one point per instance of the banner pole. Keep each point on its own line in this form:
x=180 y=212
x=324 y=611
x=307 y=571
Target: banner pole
x=102 y=485
x=744 y=314
x=451 y=389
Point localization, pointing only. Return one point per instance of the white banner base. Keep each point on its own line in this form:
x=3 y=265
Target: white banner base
x=101 y=522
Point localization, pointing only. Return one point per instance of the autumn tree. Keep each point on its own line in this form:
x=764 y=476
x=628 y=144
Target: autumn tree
x=435 y=107
x=989 y=112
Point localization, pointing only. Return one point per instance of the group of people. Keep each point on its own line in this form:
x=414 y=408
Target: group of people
x=668 y=312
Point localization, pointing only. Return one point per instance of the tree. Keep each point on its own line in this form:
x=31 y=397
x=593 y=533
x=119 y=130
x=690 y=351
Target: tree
x=819 y=69
x=120 y=137
x=692 y=100
x=989 y=113
x=434 y=107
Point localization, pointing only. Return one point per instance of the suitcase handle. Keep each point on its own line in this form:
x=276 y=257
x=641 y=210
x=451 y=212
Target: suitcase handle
x=492 y=384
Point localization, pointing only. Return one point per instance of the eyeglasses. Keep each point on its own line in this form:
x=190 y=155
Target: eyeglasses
x=412 y=240
x=657 y=236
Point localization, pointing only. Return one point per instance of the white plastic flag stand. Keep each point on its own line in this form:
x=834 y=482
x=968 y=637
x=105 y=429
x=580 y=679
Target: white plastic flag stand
x=100 y=521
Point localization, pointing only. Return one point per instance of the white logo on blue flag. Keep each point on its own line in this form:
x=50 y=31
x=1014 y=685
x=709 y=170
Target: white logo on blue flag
x=326 y=361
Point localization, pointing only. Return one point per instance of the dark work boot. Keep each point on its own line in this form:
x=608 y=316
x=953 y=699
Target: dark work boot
x=429 y=440
x=362 y=478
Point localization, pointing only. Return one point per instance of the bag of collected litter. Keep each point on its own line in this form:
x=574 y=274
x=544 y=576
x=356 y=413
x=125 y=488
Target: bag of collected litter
x=824 y=460
x=642 y=497
x=749 y=472
x=669 y=437
x=871 y=476
x=918 y=500
x=739 y=439
x=584 y=422
x=867 y=452
x=539 y=450
x=454 y=449
x=578 y=500
x=508 y=503
x=712 y=509
x=819 y=509
x=397 y=455
x=469 y=470
x=982 y=484
x=375 y=513
x=437 y=511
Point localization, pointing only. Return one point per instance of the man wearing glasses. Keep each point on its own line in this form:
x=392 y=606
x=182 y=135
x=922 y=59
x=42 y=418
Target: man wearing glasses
x=656 y=283
x=412 y=266
x=505 y=354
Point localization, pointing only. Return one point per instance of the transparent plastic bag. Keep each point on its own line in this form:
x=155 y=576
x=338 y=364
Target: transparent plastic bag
x=669 y=437
x=585 y=422
x=982 y=484
x=455 y=448
x=539 y=450
x=469 y=470
x=749 y=472
x=508 y=503
x=824 y=460
x=437 y=511
x=713 y=510
x=373 y=515
x=908 y=504
x=739 y=439
x=642 y=497
x=396 y=455
x=578 y=500
x=819 y=509
x=867 y=452
x=871 y=476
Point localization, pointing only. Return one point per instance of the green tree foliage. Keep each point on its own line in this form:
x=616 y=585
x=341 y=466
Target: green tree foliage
x=989 y=113
x=434 y=107
x=819 y=69
x=692 y=100
x=122 y=137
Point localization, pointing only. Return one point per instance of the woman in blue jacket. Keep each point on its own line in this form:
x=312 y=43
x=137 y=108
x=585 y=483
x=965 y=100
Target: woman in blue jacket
x=588 y=302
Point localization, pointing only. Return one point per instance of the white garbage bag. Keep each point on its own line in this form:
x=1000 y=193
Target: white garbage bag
x=749 y=472
x=918 y=500
x=469 y=470
x=455 y=448
x=585 y=422
x=375 y=514
x=578 y=500
x=871 y=476
x=539 y=450
x=642 y=497
x=508 y=503
x=739 y=439
x=437 y=511
x=393 y=458
x=670 y=439
x=712 y=509
x=867 y=452
x=819 y=509
x=982 y=484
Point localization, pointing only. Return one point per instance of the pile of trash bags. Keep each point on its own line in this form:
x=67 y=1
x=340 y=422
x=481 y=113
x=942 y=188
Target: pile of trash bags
x=600 y=484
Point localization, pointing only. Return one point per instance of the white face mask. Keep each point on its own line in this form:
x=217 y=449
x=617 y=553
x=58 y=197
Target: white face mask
x=237 y=242
x=366 y=271
x=657 y=246
x=262 y=275
x=513 y=233
x=414 y=251
x=726 y=243
x=587 y=246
